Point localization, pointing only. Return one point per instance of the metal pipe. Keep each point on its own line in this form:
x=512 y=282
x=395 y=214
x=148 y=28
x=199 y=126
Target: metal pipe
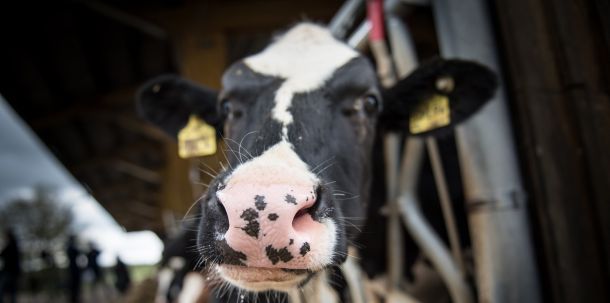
x=359 y=38
x=403 y=49
x=412 y=157
x=423 y=234
x=446 y=204
x=391 y=144
x=434 y=248
x=405 y=60
x=345 y=18
x=499 y=227
x=385 y=70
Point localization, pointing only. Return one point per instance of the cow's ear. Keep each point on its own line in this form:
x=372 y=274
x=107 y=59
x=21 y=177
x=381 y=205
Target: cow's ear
x=436 y=96
x=169 y=100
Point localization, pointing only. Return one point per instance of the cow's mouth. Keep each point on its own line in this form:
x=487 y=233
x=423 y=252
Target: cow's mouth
x=257 y=279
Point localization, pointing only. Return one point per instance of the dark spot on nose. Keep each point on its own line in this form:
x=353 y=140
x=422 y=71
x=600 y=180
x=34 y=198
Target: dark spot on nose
x=291 y=242
x=260 y=202
x=231 y=256
x=276 y=255
x=273 y=216
x=249 y=214
x=304 y=249
x=252 y=227
x=291 y=199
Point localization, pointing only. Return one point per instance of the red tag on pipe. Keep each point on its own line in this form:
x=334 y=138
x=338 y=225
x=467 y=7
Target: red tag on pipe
x=374 y=9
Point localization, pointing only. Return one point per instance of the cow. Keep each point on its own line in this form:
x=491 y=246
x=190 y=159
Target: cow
x=300 y=119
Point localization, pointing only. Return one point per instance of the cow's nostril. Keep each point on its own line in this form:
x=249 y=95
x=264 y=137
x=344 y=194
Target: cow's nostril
x=222 y=210
x=301 y=212
x=300 y=218
x=311 y=206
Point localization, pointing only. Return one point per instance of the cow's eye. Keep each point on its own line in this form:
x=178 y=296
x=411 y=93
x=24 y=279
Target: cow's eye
x=371 y=104
x=229 y=110
x=225 y=107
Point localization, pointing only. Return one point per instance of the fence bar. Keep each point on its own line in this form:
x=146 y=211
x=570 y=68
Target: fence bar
x=421 y=231
x=446 y=204
x=345 y=18
x=503 y=254
x=451 y=271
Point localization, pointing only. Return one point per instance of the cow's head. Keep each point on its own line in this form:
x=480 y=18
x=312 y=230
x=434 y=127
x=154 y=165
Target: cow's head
x=300 y=119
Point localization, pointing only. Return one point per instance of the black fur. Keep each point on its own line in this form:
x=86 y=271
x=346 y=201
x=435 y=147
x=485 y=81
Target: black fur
x=475 y=84
x=169 y=100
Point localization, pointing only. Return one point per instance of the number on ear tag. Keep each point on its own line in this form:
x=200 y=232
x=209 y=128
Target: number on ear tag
x=430 y=115
x=196 y=139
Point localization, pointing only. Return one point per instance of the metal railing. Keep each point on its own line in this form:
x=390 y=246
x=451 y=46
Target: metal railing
x=484 y=167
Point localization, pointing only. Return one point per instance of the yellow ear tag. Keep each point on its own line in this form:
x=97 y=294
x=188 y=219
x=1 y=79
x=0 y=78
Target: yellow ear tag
x=430 y=115
x=196 y=139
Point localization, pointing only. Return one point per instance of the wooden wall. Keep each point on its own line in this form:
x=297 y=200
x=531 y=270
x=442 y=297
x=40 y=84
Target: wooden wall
x=556 y=55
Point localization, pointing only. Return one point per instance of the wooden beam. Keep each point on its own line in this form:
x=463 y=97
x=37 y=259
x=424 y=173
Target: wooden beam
x=137 y=171
x=562 y=112
x=126 y=167
x=92 y=114
x=129 y=189
x=125 y=18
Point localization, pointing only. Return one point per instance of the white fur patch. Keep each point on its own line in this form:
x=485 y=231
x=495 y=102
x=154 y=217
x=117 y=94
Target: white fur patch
x=306 y=56
x=332 y=241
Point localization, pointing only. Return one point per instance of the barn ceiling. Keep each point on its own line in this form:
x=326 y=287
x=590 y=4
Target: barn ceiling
x=70 y=71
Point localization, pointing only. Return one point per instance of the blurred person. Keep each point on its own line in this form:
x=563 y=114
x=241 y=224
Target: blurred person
x=74 y=269
x=123 y=281
x=92 y=265
x=47 y=259
x=95 y=276
x=11 y=270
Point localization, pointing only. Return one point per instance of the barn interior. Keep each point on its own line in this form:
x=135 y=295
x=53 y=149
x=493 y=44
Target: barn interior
x=70 y=70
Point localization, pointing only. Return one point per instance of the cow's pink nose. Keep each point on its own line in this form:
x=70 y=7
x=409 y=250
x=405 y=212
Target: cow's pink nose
x=271 y=225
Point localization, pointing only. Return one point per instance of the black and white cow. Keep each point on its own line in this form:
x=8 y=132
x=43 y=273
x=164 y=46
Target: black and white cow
x=301 y=118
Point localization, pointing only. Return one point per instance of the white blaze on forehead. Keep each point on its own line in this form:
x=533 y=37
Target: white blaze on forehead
x=306 y=56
